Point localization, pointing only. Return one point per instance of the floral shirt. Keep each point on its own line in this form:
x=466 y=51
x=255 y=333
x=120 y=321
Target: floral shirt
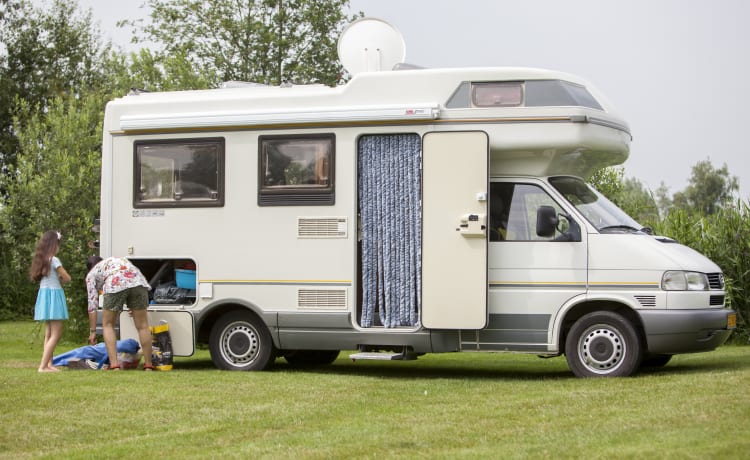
x=111 y=275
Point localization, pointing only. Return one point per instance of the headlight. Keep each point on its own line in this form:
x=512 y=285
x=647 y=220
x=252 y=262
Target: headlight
x=684 y=281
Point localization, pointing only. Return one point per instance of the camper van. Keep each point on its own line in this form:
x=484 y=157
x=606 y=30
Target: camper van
x=408 y=211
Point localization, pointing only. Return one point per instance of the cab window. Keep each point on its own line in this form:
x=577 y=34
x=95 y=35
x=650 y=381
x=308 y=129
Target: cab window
x=513 y=212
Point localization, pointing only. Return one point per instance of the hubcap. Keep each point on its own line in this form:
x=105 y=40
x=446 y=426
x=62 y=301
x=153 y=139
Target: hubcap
x=239 y=343
x=601 y=349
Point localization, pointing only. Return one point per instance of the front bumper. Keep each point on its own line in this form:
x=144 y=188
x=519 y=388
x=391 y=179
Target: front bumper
x=686 y=331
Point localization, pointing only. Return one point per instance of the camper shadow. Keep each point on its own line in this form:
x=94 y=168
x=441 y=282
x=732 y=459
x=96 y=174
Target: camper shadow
x=525 y=368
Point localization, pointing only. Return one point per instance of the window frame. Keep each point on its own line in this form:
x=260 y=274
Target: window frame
x=294 y=195
x=220 y=143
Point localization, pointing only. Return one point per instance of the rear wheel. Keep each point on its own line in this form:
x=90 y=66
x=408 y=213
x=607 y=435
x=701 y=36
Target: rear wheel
x=603 y=344
x=240 y=341
x=311 y=358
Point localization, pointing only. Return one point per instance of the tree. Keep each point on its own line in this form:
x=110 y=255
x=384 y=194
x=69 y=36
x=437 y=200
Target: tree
x=55 y=186
x=146 y=71
x=45 y=53
x=709 y=189
x=262 y=41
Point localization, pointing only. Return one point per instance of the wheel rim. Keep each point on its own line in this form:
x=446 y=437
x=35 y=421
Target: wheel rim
x=240 y=344
x=601 y=349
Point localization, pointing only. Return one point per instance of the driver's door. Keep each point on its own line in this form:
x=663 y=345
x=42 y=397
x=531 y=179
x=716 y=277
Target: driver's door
x=531 y=276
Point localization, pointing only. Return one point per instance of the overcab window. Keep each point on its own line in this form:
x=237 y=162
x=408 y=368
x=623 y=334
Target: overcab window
x=296 y=170
x=179 y=173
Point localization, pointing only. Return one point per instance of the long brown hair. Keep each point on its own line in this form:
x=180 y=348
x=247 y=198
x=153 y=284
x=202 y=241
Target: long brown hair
x=46 y=248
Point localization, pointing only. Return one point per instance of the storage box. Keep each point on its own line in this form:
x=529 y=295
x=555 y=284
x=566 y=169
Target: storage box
x=185 y=278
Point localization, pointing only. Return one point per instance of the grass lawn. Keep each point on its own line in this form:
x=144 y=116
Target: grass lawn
x=438 y=407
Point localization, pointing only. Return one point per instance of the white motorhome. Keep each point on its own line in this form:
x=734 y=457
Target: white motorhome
x=406 y=212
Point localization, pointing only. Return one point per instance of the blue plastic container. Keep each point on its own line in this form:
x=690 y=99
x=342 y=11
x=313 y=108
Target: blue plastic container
x=185 y=278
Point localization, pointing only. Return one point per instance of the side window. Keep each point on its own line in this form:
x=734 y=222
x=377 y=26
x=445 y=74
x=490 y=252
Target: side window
x=179 y=173
x=296 y=170
x=513 y=212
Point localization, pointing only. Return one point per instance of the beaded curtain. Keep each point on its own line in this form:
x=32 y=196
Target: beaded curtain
x=391 y=224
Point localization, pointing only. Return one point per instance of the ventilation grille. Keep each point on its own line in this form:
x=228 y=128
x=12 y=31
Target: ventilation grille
x=716 y=300
x=322 y=298
x=646 y=300
x=716 y=280
x=321 y=227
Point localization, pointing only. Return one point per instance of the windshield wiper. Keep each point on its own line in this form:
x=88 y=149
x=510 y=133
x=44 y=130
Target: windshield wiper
x=625 y=227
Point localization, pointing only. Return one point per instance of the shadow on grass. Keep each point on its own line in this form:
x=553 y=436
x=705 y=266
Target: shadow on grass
x=698 y=367
x=520 y=368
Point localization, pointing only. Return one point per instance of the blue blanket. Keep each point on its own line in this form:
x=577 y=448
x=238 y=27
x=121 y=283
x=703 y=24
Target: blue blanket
x=96 y=352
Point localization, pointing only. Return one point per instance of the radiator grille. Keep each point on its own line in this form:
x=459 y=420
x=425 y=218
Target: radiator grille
x=321 y=227
x=322 y=298
x=716 y=300
x=716 y=280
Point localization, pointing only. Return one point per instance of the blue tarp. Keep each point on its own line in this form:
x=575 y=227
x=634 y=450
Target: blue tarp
x=96 y=352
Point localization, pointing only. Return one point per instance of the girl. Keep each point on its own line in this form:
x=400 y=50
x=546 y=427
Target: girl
x=51 y=306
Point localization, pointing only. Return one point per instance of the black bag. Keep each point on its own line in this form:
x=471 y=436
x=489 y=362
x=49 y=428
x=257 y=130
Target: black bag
x=161 y=347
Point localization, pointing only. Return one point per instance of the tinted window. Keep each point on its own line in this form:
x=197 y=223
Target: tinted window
x=296 y=170
x=179 y=173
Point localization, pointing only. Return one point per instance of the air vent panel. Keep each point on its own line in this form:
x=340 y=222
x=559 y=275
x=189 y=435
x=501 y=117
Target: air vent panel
x=322 y=227
x=646 y=300
x=324 y=299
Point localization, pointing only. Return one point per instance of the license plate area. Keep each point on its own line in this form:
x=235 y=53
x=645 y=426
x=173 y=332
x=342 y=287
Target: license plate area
x=732 y=321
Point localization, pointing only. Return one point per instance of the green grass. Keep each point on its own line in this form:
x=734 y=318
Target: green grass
x=438 y=407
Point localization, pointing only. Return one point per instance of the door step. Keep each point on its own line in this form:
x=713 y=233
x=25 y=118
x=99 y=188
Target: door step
x=383 y=356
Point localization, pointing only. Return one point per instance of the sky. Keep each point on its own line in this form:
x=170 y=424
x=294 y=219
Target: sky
x=676 y=70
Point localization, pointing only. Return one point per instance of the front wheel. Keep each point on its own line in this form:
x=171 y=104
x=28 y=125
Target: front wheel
x=603 y=344
x=240 y=341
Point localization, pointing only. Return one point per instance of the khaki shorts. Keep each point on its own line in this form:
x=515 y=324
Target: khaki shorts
x=136 y=298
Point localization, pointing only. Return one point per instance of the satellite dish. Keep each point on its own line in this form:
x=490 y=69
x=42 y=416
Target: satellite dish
x=370 y=45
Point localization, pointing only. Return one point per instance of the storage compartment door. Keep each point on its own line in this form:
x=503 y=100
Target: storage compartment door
x=454 y=230
x=181 y=329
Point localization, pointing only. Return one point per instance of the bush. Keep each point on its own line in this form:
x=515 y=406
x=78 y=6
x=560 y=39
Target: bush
x=723 y=237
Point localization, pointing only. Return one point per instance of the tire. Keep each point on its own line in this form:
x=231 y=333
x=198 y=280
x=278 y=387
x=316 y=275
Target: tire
x=311 y=358
x=240 y=341
x=603 y=344
x=655 y=360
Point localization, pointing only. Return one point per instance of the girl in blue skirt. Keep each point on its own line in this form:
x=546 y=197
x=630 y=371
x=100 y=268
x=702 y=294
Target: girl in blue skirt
x=51 y=306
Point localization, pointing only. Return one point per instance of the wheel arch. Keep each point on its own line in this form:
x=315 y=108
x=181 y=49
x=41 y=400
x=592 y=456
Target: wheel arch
x=211 y=314
x=576 y=311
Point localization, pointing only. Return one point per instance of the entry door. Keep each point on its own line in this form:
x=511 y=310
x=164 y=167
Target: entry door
x=454 y=230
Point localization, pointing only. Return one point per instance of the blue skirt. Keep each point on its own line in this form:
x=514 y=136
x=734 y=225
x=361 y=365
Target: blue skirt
x=50 y=304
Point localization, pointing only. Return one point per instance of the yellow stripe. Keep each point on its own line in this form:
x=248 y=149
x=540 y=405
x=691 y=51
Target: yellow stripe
x=625 y=282
x=277 y=281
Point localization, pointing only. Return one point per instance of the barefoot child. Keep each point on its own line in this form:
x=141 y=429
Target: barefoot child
x=51 y=307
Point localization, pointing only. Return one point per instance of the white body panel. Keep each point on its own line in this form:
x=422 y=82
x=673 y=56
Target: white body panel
x=306 y=288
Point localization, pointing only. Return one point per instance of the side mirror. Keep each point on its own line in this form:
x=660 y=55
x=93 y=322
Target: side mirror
x=546 y=221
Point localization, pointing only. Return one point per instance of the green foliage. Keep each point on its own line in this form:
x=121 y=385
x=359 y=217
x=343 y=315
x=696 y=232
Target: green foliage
x=47 y=53
x=629 y=194
x=262 y=41
x=56 y=186
x=709 y=189
x=723 y=237
x=145 y=70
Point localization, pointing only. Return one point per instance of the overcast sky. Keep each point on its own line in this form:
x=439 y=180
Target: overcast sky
x=677 y=70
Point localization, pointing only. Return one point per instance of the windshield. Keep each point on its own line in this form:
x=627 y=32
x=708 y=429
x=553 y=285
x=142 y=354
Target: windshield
x=595 y=207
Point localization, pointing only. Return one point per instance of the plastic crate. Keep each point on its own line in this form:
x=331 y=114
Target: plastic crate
x=185 y=278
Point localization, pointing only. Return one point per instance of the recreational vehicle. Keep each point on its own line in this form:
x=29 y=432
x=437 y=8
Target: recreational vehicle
x=408 y=211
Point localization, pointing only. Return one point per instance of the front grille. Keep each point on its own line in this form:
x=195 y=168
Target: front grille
x=716 y=300
x=716 y=280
